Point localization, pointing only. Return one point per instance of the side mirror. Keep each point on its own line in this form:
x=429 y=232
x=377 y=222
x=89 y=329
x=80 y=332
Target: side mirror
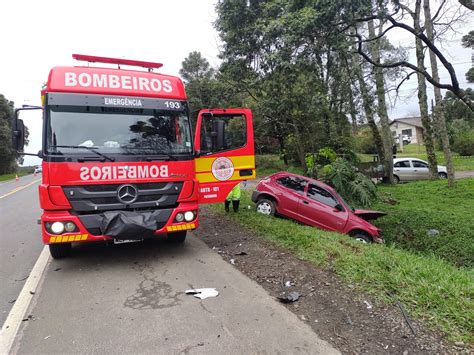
x=18 y=135
x=339 y=208
x=219 y=128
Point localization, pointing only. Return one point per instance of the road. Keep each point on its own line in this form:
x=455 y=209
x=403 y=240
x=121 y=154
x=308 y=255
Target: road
x=130 y=298
x=20 y=245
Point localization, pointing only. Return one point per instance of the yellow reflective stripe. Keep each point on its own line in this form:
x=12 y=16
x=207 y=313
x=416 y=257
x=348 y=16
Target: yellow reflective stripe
x=52 y=239
x=240 y=162
x=84 y=237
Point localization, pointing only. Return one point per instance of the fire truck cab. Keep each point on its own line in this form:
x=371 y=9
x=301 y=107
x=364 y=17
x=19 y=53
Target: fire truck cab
x=120 y=162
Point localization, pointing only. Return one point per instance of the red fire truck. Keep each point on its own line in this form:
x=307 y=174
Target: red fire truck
x=119 y=159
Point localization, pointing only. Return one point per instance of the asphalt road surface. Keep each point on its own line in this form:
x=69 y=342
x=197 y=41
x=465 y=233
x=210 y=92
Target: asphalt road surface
x=130 y=298
x=20 y=242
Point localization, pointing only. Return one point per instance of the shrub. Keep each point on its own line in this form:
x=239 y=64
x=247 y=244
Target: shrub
x=464 y=143
x=352 y=185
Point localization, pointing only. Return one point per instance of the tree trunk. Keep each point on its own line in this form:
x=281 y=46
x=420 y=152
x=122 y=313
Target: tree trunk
x=423 y=99
x=382 y=106
x=353 y=112
x=367 y=103
x=438 y=111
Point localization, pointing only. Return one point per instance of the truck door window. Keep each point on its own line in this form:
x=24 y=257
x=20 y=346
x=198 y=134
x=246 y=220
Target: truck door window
x=234 y=133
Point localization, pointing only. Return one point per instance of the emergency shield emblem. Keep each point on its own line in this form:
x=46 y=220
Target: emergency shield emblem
x=225 y=146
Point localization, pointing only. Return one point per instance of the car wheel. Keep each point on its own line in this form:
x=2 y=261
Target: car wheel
x=177 y=238
x=443 y=175
x=266 y=207
x=396 y=179
x=362 y=237
x=59 y=251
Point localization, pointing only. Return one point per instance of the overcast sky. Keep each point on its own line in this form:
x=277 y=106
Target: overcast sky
x=38 y=35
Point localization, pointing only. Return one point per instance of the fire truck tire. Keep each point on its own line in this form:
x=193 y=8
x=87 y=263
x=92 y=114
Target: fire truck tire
x=59 y=251
x=177 y=237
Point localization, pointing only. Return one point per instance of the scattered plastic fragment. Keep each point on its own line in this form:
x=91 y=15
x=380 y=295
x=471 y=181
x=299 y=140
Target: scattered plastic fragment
x=232 y=261
x=47 y=337
x=202 y=293
x=289 y=297
x=369 y=306
x=433 y=233
x=288 y=284
x=12 y=301
x=32 y=292
x=58 y=268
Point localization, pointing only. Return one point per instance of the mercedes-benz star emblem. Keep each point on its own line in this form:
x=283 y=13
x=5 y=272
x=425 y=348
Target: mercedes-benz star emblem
x=127 y=194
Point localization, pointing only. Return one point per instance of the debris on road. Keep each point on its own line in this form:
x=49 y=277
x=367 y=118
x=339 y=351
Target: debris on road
x=288 y=284
x=30 y=317
x=241 y=253
x=369 y=306
x=12 y=301
x=289 y=297
x=232 y=261
x=32 y=292
x=23 y=279
x=202 y=293
x=58 y=268
x=47 y=337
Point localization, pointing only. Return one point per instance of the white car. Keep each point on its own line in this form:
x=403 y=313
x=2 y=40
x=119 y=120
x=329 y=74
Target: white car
x=408 y=169
x=38 y=170
x=406 y=139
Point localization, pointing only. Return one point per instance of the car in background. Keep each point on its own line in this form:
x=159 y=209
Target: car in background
x=38 y=169
x=406 y=139
x=314 y=203
x=410 y=169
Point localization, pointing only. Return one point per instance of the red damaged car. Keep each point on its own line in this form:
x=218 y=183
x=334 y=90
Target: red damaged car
x=314 y=203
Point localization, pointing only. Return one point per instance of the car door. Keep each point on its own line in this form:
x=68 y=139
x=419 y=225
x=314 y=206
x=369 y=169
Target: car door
x=420 y=170
x=224 y=146
x=289 y=191
x=403 y=170
x=318 y=208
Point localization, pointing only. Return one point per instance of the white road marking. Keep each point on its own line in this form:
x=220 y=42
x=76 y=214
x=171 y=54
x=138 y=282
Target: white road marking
x=19 y=188
x=18 y=311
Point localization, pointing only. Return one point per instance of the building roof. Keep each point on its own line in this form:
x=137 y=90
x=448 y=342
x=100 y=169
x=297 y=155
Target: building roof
x=412 y=121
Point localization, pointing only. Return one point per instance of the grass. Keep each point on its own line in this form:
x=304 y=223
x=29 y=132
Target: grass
x=431 y=205
x=430 y=288
x=418 y=151
x=6 y=177
x=268 y=164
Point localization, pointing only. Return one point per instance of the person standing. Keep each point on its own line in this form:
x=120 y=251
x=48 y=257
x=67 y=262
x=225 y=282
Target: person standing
x=234 y=196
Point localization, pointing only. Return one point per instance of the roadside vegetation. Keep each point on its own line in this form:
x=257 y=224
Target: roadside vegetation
x=428 y=217
x=22 y=171
x=431 y=289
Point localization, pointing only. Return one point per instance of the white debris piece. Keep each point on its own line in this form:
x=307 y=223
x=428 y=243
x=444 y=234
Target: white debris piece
x=369 y=306
x=202 y=293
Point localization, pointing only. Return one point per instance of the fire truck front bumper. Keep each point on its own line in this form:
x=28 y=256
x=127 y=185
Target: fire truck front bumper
x=64 y=227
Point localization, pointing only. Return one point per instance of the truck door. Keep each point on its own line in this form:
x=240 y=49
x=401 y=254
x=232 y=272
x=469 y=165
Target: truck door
x=224 y=147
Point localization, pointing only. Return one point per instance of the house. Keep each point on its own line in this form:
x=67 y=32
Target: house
x=410 y=126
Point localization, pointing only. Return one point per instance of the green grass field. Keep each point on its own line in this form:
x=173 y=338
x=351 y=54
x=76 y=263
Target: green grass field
x=6 y=177
x=418 y=151
x=431 y=205
x=432 y=289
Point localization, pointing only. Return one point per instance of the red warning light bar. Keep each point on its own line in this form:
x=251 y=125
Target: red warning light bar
x=135 y=63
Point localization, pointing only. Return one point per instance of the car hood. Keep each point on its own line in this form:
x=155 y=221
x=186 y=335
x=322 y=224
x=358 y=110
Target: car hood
x=369 y=215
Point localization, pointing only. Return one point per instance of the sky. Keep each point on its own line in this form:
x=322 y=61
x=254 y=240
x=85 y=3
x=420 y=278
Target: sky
x=38 y=35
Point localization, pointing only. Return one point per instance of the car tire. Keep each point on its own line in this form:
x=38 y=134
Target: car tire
x=266 y=207
x=362 y=237
x=442 y=175
x=61 y=250
x=176 y=238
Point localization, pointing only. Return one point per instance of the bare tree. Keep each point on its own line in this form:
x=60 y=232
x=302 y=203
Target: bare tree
x=438 y=111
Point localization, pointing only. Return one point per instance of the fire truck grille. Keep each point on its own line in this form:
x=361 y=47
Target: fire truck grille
x=89 y=199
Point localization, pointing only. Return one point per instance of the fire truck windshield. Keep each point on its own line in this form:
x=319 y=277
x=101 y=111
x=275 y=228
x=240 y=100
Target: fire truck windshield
x=117 y=131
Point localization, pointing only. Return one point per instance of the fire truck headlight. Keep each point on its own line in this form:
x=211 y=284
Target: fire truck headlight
x=70 y=227
x=188 y=216
x=57 y=227
x=179 y=217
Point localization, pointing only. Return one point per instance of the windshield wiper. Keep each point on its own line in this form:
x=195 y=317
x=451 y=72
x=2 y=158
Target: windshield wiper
x=91 y=149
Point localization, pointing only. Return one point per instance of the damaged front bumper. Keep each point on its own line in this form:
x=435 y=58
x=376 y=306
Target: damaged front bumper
x=118 y=225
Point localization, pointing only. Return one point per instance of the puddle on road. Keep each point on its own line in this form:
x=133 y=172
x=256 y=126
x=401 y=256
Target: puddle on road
x=153 y=294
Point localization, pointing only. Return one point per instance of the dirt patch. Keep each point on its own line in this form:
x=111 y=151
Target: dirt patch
x=351 y=321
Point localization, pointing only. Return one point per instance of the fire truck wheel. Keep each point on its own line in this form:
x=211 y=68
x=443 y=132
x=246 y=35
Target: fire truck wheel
x=59 y=251
x=178 y=237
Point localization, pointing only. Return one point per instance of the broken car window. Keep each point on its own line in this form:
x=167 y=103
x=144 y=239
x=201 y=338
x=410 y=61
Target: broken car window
x=293 y=183
x=319 y=194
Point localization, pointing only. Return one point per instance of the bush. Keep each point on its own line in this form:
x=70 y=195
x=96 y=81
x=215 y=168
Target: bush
x=352 y=185
x=364 y=142
x=464 y=143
